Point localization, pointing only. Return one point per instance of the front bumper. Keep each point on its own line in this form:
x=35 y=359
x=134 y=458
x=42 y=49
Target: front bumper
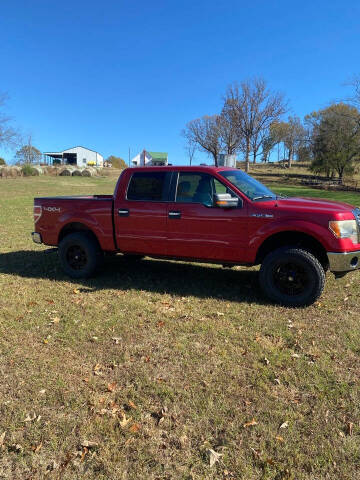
x=344 y=261
x=36 y=237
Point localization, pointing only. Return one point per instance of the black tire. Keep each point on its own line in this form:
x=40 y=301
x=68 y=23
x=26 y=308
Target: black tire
x=80 y=255
x=292 y=277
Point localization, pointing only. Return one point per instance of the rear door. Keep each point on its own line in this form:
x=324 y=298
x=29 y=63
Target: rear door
x=140 y=213
x=197 y=229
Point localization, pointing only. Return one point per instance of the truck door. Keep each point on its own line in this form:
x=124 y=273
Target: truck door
x=140 y=213
x=197 y=229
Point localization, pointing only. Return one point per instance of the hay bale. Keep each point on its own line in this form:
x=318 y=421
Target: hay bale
x=77 y=173
x=66 y=172
x=88 y=172
x=52 y=171
x=38 y=169
x=13 y=171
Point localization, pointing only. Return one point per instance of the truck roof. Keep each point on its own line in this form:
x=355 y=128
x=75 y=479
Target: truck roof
x=192 y=168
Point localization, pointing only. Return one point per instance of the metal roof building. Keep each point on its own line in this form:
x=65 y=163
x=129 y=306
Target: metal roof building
x=77 y=156
x=150 y=158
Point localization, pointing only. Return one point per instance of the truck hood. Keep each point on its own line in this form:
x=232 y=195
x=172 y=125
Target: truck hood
x=317 y=205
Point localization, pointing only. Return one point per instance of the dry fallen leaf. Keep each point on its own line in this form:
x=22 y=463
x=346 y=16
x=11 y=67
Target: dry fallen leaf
x=284 y=425
x=111 y=387
x=84 y=452
x=214 y=457
x=132 y=405
x=97 y=369
x=37 y=448
x=76 y=291
x=2 y=438
x=30 y=418
x=135 y=427
x=89 y=444
x=251 y=423
x=279 y=438
x=124 y=421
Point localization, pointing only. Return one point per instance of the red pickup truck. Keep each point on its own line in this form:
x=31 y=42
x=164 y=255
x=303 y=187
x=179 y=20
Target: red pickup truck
x=206 y=214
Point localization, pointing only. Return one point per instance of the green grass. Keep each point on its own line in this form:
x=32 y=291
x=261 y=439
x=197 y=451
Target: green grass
x=189 y=354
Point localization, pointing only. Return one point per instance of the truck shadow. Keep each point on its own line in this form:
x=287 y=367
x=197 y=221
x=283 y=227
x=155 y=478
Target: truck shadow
x=157 y=276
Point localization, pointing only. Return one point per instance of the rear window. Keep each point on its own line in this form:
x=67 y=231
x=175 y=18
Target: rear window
x=147 y=186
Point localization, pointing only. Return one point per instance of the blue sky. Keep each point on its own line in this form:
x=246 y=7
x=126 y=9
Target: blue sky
x=117 y=74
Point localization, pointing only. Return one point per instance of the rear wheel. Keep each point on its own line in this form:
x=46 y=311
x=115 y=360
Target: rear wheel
x=80 y=255
x=292 y=277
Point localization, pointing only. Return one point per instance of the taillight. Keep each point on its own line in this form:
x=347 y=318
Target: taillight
x=37 y=212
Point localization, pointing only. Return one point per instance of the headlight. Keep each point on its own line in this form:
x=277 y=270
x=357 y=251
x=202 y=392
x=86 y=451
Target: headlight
x=344 y=229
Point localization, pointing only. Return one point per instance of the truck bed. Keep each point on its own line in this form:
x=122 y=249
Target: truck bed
x=92 y=211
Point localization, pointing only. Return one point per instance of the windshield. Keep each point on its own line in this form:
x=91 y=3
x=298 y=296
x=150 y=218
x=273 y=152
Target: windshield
x=248 y=185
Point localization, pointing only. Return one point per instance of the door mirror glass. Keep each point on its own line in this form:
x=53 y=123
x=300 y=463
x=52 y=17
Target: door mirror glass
x=225 y=200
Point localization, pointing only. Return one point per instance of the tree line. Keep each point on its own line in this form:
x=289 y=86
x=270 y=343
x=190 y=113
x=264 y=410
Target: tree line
x=251 y=124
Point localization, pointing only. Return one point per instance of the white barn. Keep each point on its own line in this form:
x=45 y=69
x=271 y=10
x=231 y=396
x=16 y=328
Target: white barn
x=77 y=156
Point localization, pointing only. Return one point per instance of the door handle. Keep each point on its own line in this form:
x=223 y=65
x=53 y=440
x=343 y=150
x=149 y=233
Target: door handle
x=123 y=212
x=175 y=214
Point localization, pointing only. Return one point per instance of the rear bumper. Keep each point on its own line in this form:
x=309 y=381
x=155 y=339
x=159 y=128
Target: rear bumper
x=344 y=261
x=36 y=237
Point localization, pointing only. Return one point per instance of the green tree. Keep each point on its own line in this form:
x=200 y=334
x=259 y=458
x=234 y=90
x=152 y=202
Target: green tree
x=335 y=139
x=116 y=162
x=2 y=161
x=292 y=134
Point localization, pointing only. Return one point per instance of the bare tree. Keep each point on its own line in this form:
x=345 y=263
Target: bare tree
x=257 y=108
x=354 y=99
x=204 y=132
x=9 y=137
x=190 y=146
x=28 y=154
x=230 y=134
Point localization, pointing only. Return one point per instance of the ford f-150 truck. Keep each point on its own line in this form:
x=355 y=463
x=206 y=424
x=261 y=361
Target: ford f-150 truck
x=206 y=214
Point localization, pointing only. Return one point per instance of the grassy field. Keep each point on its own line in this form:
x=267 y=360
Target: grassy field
x=165 y=370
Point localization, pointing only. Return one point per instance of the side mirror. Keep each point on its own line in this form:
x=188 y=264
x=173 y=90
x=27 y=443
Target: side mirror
x=225 y=200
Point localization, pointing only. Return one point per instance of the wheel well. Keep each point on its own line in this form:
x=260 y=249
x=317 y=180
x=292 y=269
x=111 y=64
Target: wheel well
x=294 y=239
x=77 y=227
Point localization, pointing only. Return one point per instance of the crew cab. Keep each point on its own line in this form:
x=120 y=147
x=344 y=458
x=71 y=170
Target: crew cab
x=206 y=214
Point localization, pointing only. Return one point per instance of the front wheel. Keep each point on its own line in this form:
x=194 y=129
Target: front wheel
x=79 y=255
x=292 y=277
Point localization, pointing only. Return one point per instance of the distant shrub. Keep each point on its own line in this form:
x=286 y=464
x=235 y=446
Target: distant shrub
x=2 y=161
x=29 y=171
x=116 y=162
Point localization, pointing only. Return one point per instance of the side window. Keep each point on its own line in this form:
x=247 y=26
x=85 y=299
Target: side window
x=194 y=188
x=220 y=187
x=147 y=186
